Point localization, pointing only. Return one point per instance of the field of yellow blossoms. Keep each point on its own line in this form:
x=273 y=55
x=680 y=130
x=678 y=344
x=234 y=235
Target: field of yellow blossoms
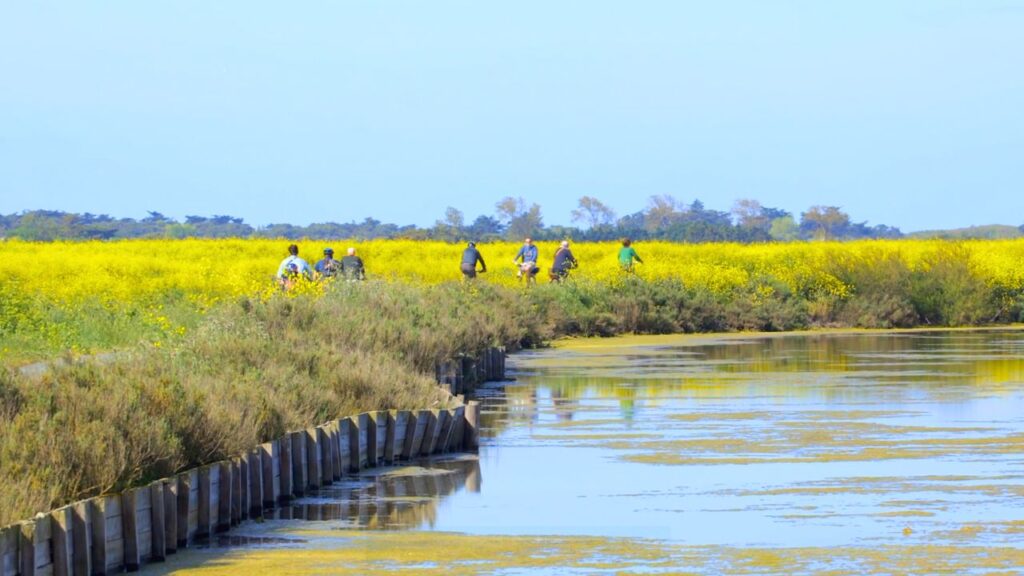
x=146 y=275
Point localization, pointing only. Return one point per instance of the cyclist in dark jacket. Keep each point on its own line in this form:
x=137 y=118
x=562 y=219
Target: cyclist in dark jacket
x=564 y=261
x=470 y=256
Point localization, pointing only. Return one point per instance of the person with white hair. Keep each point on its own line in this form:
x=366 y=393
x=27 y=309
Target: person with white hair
x=564 y=261
x=352 y=266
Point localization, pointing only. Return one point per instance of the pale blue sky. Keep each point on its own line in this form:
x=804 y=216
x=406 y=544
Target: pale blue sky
x=903 y=113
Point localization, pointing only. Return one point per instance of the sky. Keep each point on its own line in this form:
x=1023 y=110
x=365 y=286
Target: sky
x=906 y=113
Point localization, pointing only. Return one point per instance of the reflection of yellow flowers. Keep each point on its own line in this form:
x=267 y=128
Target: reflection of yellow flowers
x=205 y=272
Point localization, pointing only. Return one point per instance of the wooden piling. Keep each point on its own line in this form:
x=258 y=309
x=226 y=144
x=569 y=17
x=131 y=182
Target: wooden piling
x=344 y=446
x=255 y=483
x=471 y=440
x=157 y=524
x=326 y=456
x=284 y=445
x=183 y=489
x=313 y=462
x=355 y=444
x=458 y=432
x=300 y=482
x=130 y=527
x=171 y=514
x=414 y=434
x=333 y=435
x=10 y=544
x=203 y=519
x=430 y=434
x=225 y=496
x=396 y=429
x=271 y=461
x=236 y=491
x=62 y=541
x=381 y=419
x=370 y=433
x=107 y=535
x=81 y=522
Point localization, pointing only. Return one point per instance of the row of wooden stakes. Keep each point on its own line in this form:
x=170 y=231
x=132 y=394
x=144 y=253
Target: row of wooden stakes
x=118 y=532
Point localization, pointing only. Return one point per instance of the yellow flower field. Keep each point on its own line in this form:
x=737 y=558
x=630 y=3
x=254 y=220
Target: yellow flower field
x=207 y=271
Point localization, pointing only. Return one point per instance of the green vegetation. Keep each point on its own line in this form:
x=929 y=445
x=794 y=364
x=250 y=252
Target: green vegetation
x=251 y=371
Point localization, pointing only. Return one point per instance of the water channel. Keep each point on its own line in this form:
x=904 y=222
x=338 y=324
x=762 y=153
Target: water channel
x=838 y=453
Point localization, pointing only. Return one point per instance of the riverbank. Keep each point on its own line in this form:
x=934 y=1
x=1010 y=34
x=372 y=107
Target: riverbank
x=250 y=372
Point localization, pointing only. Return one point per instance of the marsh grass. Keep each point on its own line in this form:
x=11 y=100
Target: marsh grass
x=249 y=372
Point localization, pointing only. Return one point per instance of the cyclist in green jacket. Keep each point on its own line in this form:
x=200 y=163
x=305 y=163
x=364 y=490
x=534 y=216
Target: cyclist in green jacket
x=627 y=254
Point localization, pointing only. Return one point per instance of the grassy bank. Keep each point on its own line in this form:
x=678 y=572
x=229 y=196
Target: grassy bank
x=250 y=371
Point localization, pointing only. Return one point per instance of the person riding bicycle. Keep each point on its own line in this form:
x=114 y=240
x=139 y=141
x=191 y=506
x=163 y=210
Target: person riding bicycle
x=328 y=267
x=470 y=256
x=526 y=260
x=564 y=261
x=627 y=254
x=292 y=268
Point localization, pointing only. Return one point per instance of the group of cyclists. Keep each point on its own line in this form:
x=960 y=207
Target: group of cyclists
x=293 y=268
x=528 y=256
x=351 y=268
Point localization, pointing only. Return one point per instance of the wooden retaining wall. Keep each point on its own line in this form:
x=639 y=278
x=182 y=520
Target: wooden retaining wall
x=119 y=532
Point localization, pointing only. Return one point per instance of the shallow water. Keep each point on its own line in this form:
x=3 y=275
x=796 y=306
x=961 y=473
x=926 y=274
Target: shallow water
x=852 y=452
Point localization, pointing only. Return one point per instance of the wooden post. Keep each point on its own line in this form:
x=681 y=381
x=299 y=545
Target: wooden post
x=62 y=538
x=446 y=430
x=300 y=482
x=271 y=459
x=355 y=444
x=334 y=434
x=27 y=548
x=344 y=446
x=284 y=445
x=371 y=438
x=430 y=433
x=313 y=463
x=193 y=504
x=107 y=535
x=184 y=488
x=326 y=456
x=225 y=497
x=130 y=530
x=389 y=438
x=81 y=522
x=205 y=501
x=171 y=514
x=158 y=538
x=256 y=483
x=10 y=544
x=237 y=508
x=381 y=419
x=472 y=430
x=414 y=434
x=455 y=440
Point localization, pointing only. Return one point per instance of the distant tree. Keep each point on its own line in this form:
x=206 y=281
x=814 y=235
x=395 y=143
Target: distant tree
x=662 y=211
x=519 y=220
x=451 y=227
x=485 y=227
x=593 y=213
x=784 y=229
x=824 y=222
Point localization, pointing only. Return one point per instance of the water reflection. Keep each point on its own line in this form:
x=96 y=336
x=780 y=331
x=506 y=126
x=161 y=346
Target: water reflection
x=885 y=367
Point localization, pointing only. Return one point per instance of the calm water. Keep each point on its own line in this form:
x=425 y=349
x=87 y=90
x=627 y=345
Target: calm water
x=829 y=442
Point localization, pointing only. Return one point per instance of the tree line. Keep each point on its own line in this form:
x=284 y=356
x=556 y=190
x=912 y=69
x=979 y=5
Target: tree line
x=664 y=218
